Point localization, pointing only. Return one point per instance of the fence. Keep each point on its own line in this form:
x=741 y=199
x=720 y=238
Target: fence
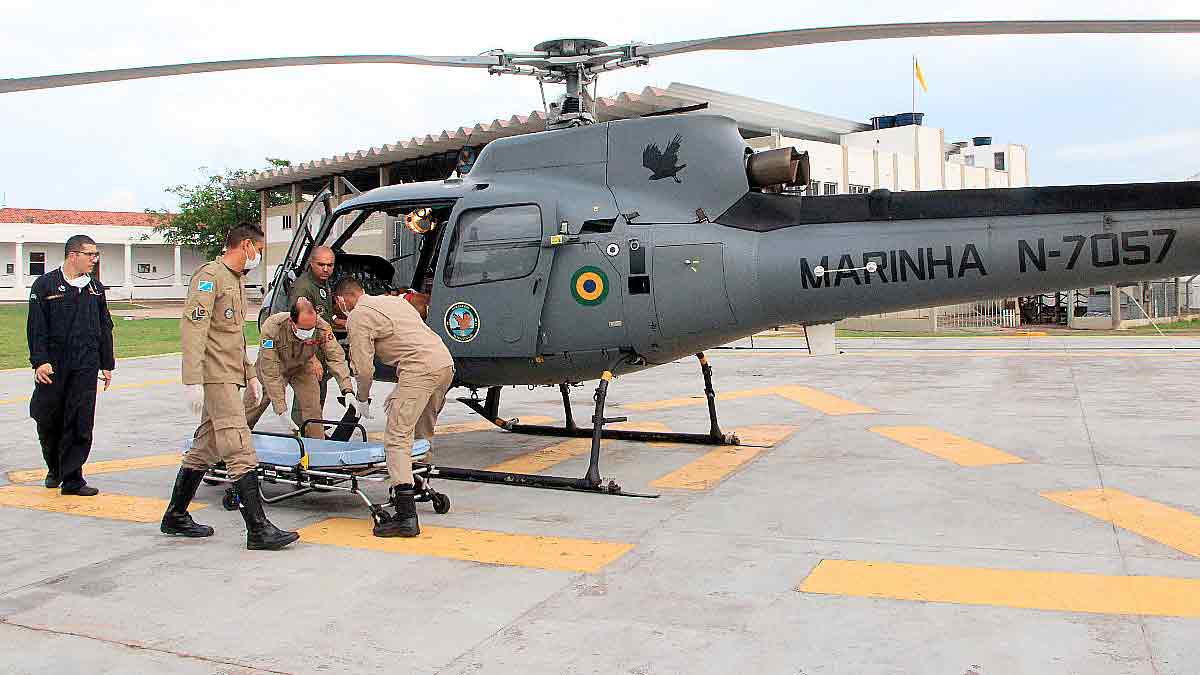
x=999 y=313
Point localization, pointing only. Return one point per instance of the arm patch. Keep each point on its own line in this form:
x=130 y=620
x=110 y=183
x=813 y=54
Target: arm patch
x=268 y=343
x=199 y=313
x=205 y=286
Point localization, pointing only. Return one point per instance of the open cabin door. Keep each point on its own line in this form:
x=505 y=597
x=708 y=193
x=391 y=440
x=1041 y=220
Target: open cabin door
x=297 y=255
x=491 y=279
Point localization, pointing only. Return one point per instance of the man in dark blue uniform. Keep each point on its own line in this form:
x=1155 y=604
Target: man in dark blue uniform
x=70 y=336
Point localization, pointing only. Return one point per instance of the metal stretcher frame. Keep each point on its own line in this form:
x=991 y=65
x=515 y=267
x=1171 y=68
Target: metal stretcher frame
x=302 y=479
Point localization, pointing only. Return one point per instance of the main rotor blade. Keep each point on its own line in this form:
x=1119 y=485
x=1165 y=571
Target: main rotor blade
x=810 y=36
x=73 y=79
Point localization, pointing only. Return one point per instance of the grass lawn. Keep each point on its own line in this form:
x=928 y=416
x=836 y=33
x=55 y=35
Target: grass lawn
x=133 y=338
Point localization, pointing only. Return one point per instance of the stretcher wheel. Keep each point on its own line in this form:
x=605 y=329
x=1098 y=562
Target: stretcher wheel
x=229 y=501
x=441 y=503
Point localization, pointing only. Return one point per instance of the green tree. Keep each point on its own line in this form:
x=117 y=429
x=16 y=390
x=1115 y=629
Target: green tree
x=208 y=210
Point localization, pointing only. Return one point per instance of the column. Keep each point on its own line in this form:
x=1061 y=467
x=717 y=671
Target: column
x=821 y=339
x=1114 y=306
x=178 y=268
x=129 y=268
x=19 y=266
x=385 y=175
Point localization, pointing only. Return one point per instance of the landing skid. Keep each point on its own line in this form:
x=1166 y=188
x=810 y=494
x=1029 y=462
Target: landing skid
x=489 y=409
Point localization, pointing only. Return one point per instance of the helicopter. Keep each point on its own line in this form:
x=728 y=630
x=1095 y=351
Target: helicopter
x=592 y=250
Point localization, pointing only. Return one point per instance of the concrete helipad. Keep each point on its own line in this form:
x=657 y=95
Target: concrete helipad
x=974 y=506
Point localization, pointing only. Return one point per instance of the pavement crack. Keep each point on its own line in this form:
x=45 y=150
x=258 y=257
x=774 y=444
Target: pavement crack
x=1141 y=621
x=140 y=647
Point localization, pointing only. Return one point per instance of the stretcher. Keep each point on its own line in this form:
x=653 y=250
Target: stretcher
x=306 y=465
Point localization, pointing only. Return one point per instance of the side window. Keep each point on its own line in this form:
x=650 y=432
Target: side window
x=494 y=244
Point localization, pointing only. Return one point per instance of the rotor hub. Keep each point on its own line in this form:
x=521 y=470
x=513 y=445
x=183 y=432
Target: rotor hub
x=568 y=46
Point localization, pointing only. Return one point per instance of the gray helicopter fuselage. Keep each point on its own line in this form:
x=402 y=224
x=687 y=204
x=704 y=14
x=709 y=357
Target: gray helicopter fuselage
x=632 y=243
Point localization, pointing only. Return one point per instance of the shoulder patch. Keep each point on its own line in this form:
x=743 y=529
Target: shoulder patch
x=268 y=343
x=205 y=286
x=33 y=297
x=228 y=312
x=198 y=313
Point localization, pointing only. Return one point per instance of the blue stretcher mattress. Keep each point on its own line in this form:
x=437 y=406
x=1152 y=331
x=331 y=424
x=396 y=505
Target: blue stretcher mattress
x=323 y=454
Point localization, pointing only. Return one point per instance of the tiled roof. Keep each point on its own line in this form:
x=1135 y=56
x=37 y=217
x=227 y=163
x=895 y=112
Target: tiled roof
x=63 y=217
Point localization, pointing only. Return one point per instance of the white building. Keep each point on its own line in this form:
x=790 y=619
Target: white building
x=135 y=262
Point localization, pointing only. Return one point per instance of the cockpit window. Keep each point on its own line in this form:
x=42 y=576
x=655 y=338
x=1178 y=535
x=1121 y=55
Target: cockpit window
x=494 y=244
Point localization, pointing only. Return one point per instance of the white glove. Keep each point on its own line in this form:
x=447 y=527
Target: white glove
x=195 y=398
x=363 y=409
x=288 y=422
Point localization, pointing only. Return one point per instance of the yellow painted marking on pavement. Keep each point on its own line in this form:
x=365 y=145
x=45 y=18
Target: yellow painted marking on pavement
x=131 y=385
x=106 y=466
x=813 y=398
x=497 y=548
x=540 y=460
x=948 y=446
x=1167 y=525
x=109 y=506
x=721 y=461
x=1056 y=591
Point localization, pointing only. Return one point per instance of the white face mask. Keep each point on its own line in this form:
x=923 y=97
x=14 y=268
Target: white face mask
x=251 y=263
x=80 y=281
x=305 y=334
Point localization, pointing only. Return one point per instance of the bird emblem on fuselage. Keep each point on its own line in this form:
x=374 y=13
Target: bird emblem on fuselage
x=664 y=164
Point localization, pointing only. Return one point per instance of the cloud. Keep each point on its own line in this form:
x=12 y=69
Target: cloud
x=1175 y=143
x=118 y=200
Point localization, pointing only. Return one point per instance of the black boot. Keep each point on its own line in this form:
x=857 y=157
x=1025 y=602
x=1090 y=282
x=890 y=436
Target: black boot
x=52 y=480
x=177 y=520
x=261 y=534
x=404 y=523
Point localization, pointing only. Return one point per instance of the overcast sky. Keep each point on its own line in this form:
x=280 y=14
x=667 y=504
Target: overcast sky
x=1091 y=108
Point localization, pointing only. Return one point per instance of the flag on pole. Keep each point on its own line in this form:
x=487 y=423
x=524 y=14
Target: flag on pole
x=920 y=76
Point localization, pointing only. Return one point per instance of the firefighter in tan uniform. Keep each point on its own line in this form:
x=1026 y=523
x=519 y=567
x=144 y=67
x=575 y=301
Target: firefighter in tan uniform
x=391 y=328
x=289 y=341
x=214 y=369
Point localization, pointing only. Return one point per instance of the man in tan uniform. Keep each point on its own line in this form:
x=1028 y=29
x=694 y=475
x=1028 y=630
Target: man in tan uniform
x=288 y=343
x=391 y=328
x=213 y=343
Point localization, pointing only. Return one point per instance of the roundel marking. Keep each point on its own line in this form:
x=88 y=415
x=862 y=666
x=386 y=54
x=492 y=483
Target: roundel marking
x=461 y=322
x=589 y=285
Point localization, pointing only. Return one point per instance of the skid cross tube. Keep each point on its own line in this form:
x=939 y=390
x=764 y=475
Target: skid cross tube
x=591 y=481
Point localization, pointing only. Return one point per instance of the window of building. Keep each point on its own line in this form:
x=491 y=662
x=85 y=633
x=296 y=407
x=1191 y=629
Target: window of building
x=814 y=189
x=8 y=269
x=143 y=268
x=970 y=160
x=831 y=188
x=859 y=189
x=999 y=160
x=287 y=222
x=37 y=263
x=494 y=244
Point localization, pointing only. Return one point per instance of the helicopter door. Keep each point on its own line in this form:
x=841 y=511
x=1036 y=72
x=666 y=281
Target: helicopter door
x=491 y=282
x=297 y=255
